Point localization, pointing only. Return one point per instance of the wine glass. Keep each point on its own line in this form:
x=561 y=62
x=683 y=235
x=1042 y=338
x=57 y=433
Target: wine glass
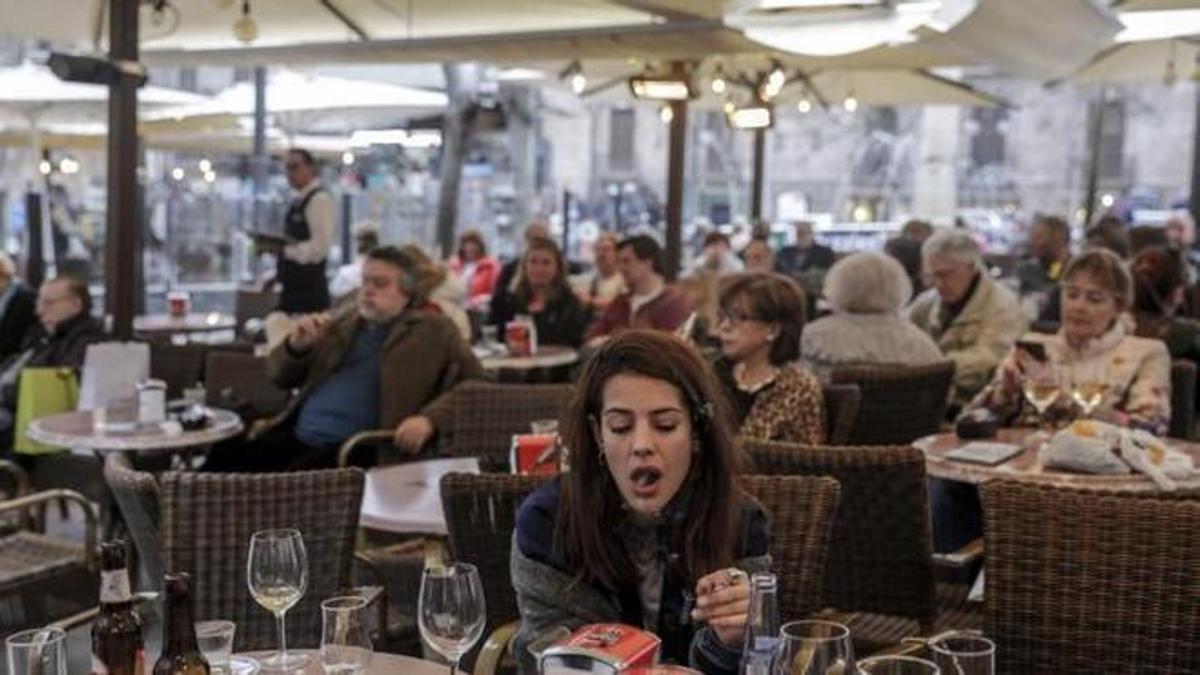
x=345 y=644
x=964 y=653
x=451 y=611
x=277 y=574
x=1041 y=388
x=813 y=648
x=1087 y=387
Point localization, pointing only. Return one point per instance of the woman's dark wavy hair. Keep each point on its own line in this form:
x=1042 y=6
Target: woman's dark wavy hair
x=560 y=287
x=591 y=505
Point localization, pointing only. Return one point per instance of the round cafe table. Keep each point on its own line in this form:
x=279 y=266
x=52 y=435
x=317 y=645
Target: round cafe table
x=77 y=430
x=1026 y=467
x=381 y=664
x=196 y=322
x=551 y=363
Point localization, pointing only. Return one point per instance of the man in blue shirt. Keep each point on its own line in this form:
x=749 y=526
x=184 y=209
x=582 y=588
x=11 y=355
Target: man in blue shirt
x=381 y=365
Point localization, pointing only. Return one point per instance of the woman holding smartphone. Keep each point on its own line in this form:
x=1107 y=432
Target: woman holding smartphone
x=1093 y=366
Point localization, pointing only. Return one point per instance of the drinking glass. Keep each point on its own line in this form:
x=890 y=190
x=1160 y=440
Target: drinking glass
x=1041 y=388
x=451 y=610
x=215 y=639
x=345 y=643
x=897 y=665
x=1087 y=387
x=277 y=574
x=963 y=653
x=40 y=651
x=814 y=648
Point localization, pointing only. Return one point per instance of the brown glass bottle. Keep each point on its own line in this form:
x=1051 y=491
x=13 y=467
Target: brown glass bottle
x=117 y=646
x=181 y=655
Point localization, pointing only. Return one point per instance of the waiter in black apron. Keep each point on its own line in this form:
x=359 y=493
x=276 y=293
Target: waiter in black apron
x=309 y=227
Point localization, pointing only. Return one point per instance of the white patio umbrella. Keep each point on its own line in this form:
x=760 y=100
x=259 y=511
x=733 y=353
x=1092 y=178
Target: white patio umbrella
x=316 y=103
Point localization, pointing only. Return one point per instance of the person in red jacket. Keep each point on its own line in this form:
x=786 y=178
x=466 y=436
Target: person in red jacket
x=650 y=302
x=475 y=267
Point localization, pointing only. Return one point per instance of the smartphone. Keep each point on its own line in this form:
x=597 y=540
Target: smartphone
x=1037 y=350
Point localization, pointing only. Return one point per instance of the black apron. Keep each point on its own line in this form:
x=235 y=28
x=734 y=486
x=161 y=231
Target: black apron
x=305 y=288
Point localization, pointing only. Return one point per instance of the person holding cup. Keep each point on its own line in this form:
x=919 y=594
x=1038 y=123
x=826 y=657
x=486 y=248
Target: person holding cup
x=649 y=527
x=541 y=291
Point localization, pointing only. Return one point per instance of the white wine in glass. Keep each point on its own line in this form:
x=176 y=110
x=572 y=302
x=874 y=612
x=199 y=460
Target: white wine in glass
x=1041 y=394
x=277 y=576
x=1088 y=395
x=451 y=611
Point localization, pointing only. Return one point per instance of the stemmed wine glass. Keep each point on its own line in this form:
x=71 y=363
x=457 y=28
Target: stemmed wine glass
x=277 y=574
x=1041 y=387
x=813 y=648
x=451 y=611
x=1087 y=387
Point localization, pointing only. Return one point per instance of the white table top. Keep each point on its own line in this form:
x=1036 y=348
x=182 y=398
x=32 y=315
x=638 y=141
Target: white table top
x=195 y=322
x=549 y=356
x=381 y=664
x=407 y=498
x=76 y=430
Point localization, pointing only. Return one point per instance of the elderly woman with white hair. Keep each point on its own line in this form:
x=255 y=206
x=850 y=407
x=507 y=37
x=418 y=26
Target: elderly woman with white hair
x=17 y=317
x=867 y=291
x=973 y=320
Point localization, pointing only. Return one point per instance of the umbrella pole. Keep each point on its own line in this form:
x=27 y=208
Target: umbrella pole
x=1194 y=200
x=123 y=223
x=1093 y=167
x=756 y=195
x=675 y=158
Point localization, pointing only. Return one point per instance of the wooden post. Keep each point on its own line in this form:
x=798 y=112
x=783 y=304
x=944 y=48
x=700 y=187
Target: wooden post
x=756 y=193
x=1194 y=201
x=675 y=156
x=1093 y=169
x=123 y=224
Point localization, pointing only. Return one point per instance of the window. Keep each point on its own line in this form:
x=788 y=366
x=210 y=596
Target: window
x=620 y=140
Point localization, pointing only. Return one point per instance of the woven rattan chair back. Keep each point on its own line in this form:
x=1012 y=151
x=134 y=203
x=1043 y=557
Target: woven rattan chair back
x=137 y=496
x=207 y=523
x=481 y=514
x=486 y=415
x=1081 y=582
x=841 y=410
x=801 y=511
x=899 y=404
x=1183 y=399
x=880 y=554
x=180 y=366
x=238 y=381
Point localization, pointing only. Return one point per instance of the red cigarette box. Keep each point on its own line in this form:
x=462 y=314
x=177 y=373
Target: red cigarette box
x=601 y=649
x=534 y=454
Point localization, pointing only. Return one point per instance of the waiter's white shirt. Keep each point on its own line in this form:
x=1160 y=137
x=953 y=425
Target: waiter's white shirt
x=320 y=216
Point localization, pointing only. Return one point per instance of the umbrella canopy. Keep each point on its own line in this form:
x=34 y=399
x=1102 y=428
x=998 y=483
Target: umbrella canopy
x=308 y=102
x=31 y=90
x=1163 y=61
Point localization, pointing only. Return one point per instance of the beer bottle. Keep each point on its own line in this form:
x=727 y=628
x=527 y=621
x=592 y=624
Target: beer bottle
x=117 y=647
x=181 y=655
x=762 y=626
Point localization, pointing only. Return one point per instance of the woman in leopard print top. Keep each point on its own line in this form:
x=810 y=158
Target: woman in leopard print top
x=759 y=329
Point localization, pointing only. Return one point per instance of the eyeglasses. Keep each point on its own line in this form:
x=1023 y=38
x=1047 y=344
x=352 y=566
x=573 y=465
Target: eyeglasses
x=734 y=319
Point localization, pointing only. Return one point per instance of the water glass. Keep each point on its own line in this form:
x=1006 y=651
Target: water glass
x=546 y=426
x=814 y=648
x=40 y=651
x=963 y=653
x=897 y=665
x=488 y=335
x=451 y=610
x=277 y=575
x=345 y=641
x=215 y=639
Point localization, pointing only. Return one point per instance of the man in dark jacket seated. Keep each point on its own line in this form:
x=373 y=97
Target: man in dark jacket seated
x=382 y=364
x=64 y=308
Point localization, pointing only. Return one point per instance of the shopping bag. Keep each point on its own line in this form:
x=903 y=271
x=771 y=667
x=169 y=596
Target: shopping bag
x=42 y=392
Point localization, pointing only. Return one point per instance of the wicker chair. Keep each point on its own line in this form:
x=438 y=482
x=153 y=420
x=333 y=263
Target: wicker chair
x=899 y=403
x=238 y=381
x=1082 y=582
x=1183 y=399
x=44 y=577
x=137 y=497
x=841 y=409
x=486 y=415
x=801 y=510
x=881 y=554
x=207 y=520
x=481 y=514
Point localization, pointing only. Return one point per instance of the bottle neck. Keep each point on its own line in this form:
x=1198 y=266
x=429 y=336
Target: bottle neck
x=180 y=631
x=763 y=614
x=115 y=592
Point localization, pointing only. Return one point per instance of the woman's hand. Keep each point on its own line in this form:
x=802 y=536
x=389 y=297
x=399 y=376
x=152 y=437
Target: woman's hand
x=722 y=600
